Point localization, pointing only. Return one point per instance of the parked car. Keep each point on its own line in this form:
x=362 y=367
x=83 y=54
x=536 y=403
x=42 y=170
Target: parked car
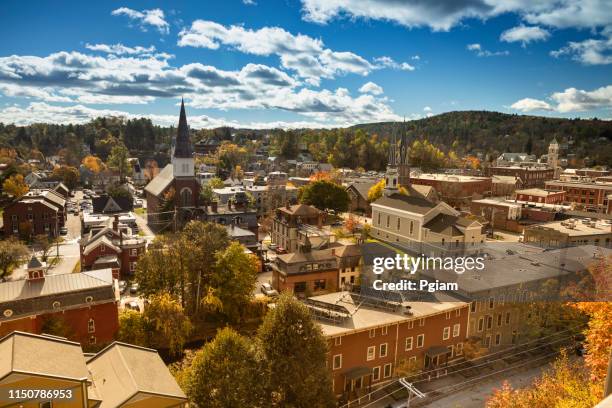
x=122 y=286
x=132 y=305
x=268 y=290
x=134 y=288
x=63 y=231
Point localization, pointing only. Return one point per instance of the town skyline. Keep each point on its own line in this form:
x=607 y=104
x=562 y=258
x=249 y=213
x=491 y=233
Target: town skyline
x=303 y=63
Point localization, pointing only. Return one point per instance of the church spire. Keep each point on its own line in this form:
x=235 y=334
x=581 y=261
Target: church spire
x=392 y=151
x=182 y=146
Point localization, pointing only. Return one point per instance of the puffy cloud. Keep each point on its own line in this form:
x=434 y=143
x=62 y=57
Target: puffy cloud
x=570 y=100
x=388 y=62
x=120 y=49
x=154 y=18
x=588 y=52
x=372 y=88
x=300 y=53
x=427 y=109
x=524 y=34
x=442 y=15
x=481 y=52
x=530 y=104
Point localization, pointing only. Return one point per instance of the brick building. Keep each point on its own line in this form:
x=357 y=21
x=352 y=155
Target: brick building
x=531 y=176
x=370 y=336
x=538 y=195
x=592 y=196
x=37 y=212
x=292 y=224
x=85 y=304
x=571 y=232
x=112 y=247
x=455 y=190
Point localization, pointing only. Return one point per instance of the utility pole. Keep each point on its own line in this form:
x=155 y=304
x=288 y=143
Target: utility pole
x=411 y=390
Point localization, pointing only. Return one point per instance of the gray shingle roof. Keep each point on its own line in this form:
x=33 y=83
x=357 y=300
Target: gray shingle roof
x=414 y=204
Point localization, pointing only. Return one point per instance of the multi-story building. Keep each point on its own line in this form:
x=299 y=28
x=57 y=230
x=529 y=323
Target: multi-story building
x=112 y=247
x=317 y=271
x=541 y=196
x=292 y=224
x=455 y=190
x=530 y=176
x=571 y=232
x=37 y=212
x=120 y=375
x=84 y=303
x=592 y=196
x=372 y=335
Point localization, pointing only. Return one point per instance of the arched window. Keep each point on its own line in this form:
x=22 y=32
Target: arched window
x=56 y=305
x=91 y=326
x=186 y=200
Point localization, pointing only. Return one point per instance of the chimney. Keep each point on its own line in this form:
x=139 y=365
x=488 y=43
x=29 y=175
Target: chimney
x=213 y=206
x=116 y=223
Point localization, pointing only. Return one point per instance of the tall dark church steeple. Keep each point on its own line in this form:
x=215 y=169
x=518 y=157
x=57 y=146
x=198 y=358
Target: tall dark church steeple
x=182 y=147
x=403 y=165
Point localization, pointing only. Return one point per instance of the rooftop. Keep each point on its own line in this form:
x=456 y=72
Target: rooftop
x=448 y=177
x=537 y=192
x=578 y=227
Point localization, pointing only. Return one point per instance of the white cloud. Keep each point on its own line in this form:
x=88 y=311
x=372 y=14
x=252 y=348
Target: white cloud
x=524 y=34
x=120 y=49
x=249 y=2
x=481 y=52
x=45 y=94
x=442 y=15
x=388 y=62
x=300 y=53
x=427 y=109
x=588 y=52
x=570 y=100
x=154 y=18
x=529 y=104
x=372 y=88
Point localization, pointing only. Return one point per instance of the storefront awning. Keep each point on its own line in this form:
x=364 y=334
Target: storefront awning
x=436 y=351
x=357 y=372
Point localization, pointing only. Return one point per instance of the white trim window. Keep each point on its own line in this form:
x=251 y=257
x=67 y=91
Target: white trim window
x=371 y=355
x=387 y=370
x=337 y=362
x=459 y=349
x=376 y=373
x=338 y=341
x=382 y=350
x=409 y=343
x=372 y=333
x=420 y=340
x=456 y=329
x=91 y=326
x=384 y=330
x=446 y=333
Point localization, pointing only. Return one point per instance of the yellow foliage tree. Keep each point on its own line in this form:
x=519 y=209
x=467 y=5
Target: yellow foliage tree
x=15 y=186
x=94 y=164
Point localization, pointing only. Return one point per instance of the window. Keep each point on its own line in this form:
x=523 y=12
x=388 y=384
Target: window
x=378 y=219
x=422 y=322
x=457 y=312
x=376 y=373
x=491 y=303
x=499 y=320
x=388 y=221
x=489 y=322
x=398 y=223
x=92 y=339
x=459 y=349
x=456 y=329
x=481 y=324
x=132 y=266
x=371 y=353
x=337 y=362
x=319 y=284
x=411 y=324
x=88 y=299
x=91 y=326
x=446 y=333
x=448 y=315
x=387 y=370
x=382 y=352
x=420 y=340
x=134 y=251
x=507 y=317
x=473 y=307
x=451 y=349
x=498 y=339
x=372 y=333
x=384 y=330
x=299 y=287
x=338 y=341
x=412 y=361
x=408 y=343
x=56 y=305
x=8 y=313
x=411 y=227
x=186 y=200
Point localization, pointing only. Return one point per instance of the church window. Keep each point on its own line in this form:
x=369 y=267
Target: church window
x=186 y=197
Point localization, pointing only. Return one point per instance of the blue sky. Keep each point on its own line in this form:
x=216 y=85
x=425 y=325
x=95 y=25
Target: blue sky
x=296 y=63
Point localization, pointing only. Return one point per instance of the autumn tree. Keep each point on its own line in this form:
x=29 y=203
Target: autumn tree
x=151 y=169
x=325 y=195
x=12 y=254
x=68 y=174
x=298 y=380
x=15 y=186
x=44 y=244
x=167 y=319
x=226 y=373
x=215 y=182
x=231 y=155
x=93 y=164
x=132 y=328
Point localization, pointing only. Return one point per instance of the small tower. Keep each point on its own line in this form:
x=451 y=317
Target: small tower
x=553 y=156
x=35 y=269
x=182 y=152
x=392 y=176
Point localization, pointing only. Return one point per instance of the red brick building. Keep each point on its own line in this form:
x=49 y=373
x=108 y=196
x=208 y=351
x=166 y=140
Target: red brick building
x=83 y=304
x=541 y=196
x=530 y=176
x=37 y=212
x=455 y=190
x=369 y=338
x=592 y=196
x=114 y=248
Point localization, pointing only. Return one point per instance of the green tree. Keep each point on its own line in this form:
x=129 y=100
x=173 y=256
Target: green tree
x=44 y=244
x=118 y=161
x=325 y=195
x=295 y=379
x=215 y=182
x=226 y=373
x=68 y=174
x=207 y=195
x=234 y=279
x=12 y=254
